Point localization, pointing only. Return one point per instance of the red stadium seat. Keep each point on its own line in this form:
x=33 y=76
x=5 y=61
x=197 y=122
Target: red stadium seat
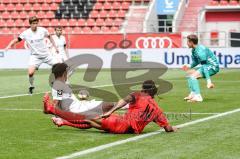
x=118 y=22
x=107 y=6
x=58 y=1
x=26 y=23
x=100 y=22
x=116 y=6
x=22 y=1
x=10 y=7
x=105 y=29
x=5 y=1
x=108 y=22
x=213 y=3
x=90 y=22
x=72 y=22
x=32 y=1
x=96 y=29
x=23 y=15
x=6 y=15
x=101 y=1
x=36 y=6
x=45 y=23
x=103 y=14
x=94 y=14
x=54 y=6
x=54 y=22
x=63 y=22
x=233 y=2
x=112 y=14
x=6 y=31
x=81 y=22
x=41 y=15
x=2 y=7
x=45 y=7
x=68 y=30
x=121 y=13
x=32 y=13
x=98 y=6
x=27 y=7
x=125 y=5
x=40 y=1
x=223 y=2
x=50 y=15
x=86 y=30
x=19 y=7
x=49 y=1
x=114 y=29
x=10 y=23
x=2 y=23
x=15 y=1
x=77 y=30
x=19 y=23
x=14 y=15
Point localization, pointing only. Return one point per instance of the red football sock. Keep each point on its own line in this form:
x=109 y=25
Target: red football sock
x=80 y=126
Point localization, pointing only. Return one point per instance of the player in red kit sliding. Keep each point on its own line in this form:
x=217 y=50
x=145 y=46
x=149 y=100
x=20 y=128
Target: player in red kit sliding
x=142 y=110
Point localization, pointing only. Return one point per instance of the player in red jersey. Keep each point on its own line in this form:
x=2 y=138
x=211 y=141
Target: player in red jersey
x=142 y=110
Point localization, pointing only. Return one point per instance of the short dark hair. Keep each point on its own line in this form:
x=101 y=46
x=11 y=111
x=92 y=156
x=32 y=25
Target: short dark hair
x=149 y=87
x=58 y=27
x=193 y=38
x=33 y=19
x=59 y=69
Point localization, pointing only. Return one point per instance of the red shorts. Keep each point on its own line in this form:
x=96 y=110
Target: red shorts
x=116 y=124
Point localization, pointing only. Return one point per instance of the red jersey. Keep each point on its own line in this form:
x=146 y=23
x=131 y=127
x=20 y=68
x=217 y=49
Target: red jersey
x=142 y=111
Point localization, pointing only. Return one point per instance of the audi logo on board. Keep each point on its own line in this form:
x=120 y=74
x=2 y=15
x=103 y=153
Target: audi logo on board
x=153 y=42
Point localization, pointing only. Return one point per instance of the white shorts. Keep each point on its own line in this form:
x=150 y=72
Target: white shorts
x=90 y=109
x=60 y=57
x=36 y=60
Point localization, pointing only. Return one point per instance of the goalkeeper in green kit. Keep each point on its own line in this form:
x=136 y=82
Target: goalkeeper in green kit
x=208 y=66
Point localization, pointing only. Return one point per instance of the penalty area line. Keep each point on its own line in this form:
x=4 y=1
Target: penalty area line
x=131 y=139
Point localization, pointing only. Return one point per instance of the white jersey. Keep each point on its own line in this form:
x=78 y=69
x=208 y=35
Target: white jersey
x=60 y=43
x=62 y=92
x=35 y=41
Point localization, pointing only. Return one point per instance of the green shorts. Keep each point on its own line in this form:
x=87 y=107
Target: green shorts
x=212 y=70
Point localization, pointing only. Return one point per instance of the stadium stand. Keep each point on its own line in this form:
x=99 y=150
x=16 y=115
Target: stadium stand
x=97 y=16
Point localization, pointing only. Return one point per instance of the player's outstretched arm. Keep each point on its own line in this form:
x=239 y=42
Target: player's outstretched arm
x=13 y=42
x=121 y=103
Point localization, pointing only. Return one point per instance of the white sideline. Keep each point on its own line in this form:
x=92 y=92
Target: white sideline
x=102 y=147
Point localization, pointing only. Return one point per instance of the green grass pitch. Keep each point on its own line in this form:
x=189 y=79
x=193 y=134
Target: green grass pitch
x=25 y=132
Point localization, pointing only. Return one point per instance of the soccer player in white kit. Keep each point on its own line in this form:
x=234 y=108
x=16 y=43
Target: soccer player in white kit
x=34 y=36
x=60 y=42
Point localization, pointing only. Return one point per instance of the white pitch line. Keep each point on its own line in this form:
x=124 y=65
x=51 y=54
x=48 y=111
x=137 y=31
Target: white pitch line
x=16 y=109
x=100 y=86
x=194 y=113
x=106 y=146
x=20 y=95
